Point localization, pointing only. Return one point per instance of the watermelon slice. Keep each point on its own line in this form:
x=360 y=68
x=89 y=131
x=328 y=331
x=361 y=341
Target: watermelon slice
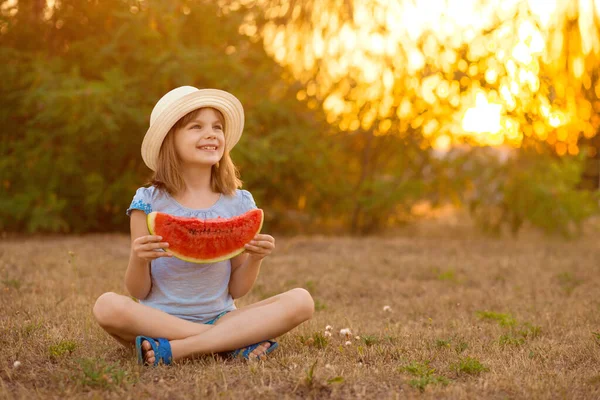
x=205 y=241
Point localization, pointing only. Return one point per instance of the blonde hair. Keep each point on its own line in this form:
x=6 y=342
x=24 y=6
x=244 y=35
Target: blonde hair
x=224 y=176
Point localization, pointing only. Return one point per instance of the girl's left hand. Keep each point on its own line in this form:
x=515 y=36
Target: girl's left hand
x=261 y=246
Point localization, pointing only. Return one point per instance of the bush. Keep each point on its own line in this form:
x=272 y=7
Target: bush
x=527 y=188
x=76 y=103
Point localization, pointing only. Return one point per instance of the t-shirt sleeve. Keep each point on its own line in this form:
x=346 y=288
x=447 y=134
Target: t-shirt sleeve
x=247 y=202
x=142 y=200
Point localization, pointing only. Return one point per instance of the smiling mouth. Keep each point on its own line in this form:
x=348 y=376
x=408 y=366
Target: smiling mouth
x=207 y=148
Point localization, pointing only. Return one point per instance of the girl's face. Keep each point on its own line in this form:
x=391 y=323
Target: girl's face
x=201 y=141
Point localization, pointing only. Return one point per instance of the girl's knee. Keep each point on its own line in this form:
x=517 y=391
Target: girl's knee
x=304 y=305
x=109 y=309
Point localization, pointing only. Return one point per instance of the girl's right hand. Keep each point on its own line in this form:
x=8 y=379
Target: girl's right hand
x=147 y=247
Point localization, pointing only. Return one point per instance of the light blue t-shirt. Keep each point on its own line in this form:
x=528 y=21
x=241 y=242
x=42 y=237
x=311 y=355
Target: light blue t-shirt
x=194 y=292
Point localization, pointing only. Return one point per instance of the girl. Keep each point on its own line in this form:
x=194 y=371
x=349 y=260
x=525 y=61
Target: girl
x=187 y=309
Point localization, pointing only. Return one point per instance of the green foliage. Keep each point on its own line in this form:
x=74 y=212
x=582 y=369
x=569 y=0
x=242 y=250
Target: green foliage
x=31 y=328
x=518 y=336
x=417 y=368
x=78 y=88
x=60 y=349
x=390 y=178
x=317 y=340
x=337 y=379
x=311 y=286
x=449 y=275
x=95 y=373
x=310 y=373
x=390 y=339
x=510 y=340
x=424 y=375
x=461 y=346
x=423 y=381
x=538 y=189
x=470 y=366
x=12 y=283
x=529 y=331
x=76 y=103
x=320 y=305
x=502 y=319
x=517 y=333
x=370 y=340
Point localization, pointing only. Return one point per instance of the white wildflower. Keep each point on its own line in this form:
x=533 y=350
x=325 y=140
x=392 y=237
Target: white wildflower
x=357 y=337
x=348 y=343
x=387 y=308
x=345 y=332
x=327 y=334
x=328 y=327
x=17 y=364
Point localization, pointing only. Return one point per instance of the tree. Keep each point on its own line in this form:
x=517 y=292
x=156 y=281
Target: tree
x=484 y=73
x=76 y=103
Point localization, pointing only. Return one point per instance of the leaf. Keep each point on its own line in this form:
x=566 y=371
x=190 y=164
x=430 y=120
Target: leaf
x=337 y=379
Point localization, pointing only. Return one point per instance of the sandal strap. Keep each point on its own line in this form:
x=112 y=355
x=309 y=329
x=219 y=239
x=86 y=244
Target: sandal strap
x=252 y=347
x=162 y=351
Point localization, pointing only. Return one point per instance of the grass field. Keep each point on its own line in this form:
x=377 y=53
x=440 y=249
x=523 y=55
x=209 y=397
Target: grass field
x=471 y=317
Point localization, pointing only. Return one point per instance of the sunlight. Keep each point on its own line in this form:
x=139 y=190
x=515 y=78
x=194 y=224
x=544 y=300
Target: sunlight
x=484 y=117
x=388 y=52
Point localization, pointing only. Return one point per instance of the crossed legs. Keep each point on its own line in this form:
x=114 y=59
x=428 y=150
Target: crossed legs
x=124 y=319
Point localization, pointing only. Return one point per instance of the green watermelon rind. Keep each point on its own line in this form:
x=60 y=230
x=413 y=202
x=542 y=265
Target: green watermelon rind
x=150 y=222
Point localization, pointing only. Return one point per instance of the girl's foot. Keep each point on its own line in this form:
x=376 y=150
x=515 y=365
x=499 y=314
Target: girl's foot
x=148 y=352
x=258 y=352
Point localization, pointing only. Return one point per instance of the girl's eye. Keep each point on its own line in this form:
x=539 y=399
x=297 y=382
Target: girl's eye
x=219 y=127
x=196 y=127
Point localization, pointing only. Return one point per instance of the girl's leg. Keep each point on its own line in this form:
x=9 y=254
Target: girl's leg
x=124 y=319
x=258 y=352
x=257 y=322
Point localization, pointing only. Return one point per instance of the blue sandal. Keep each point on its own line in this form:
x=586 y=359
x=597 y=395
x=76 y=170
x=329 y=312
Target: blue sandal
x=162 y=351
x=249 y=349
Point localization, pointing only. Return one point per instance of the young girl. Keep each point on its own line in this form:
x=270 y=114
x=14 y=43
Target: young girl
x=187 y=309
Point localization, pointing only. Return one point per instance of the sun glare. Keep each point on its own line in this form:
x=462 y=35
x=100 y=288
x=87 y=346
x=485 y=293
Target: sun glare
x=484 y=117
x=484 y=70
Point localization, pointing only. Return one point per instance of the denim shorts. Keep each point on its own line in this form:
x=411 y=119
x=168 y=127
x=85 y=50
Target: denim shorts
x=215 y=319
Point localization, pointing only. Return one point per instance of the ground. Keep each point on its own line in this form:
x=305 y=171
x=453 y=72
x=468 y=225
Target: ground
x=468 y=316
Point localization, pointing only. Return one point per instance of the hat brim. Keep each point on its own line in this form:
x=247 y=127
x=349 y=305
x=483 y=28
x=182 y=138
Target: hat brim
x=228 y=104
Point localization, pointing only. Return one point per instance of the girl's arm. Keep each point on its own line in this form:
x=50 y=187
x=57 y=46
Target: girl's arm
x=245 y=267
x=143 y=249
x=244 y=270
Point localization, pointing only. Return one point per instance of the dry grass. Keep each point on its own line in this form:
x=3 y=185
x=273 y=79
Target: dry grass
x=471 y=317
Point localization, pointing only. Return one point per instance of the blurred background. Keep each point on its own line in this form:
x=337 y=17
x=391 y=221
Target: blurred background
x=361 y=115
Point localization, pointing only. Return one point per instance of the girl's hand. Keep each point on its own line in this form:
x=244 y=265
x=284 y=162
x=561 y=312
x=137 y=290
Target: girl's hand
x=147 y=247
x=261 y=246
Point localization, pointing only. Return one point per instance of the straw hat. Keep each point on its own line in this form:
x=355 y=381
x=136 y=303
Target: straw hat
x=181 y=101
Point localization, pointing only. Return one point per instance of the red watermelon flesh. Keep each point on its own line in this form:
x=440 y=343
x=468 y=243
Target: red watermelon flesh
x=206 y=240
